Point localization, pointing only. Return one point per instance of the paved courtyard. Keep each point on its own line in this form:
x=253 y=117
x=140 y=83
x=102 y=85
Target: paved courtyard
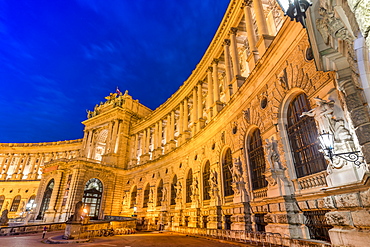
x=145 y=239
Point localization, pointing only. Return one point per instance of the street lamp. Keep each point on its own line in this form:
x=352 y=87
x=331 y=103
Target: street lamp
x=327 y=145
x=295 y=9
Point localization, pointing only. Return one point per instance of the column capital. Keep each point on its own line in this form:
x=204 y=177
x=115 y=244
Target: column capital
x=233 y=30
x=226 y=42
x=215 y=61
x=247 y=3
x=210 y=69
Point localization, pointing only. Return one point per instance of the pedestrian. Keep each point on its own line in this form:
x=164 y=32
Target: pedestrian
x=44 y=232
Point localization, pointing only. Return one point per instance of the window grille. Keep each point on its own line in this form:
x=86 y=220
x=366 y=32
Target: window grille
x=46 y=200
x=173 y=190
x=2 y=199
x=260 y=222
x=159 y=193
x=133 y=197
x=257 y=161
x=302 y=133
x=15 y=204
x=92 y=197
x=206 y=186
x=227 y=164
x=189 y=181
x=146 y=196
x=316 y=224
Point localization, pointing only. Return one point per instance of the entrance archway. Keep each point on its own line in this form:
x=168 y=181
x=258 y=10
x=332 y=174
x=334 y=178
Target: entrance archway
x=92 y=197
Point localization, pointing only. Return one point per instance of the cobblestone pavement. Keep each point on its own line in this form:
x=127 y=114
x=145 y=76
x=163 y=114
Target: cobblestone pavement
x=143 y=239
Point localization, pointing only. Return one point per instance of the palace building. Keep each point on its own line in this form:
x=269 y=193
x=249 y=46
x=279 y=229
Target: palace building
x=236 y=147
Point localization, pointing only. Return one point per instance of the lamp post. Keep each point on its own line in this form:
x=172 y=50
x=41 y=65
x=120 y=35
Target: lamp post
x=327 y=145
x=295 y=9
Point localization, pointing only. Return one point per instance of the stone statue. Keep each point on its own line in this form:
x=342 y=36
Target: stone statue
x=329 y=25
x=194 y=189
x=125 y=198
x=77 y=216
x=164 y=195
x=272 y=152
x=151 y=195
x=4 y=218
x=178 y=188
x=213 y=188
x=236 y=170
x=323 y=114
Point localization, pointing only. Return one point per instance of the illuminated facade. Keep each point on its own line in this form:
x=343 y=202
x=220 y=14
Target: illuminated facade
x=235 y=147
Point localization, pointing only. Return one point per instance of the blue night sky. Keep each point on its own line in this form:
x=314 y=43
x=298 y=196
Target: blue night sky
x=59 y=58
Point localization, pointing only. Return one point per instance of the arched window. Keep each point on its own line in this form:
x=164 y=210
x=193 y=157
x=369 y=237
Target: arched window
x=15 y=204
x=46 y=200
x=159 y=193
x=189 y=181
x=302 y=134
x=227 y=164
x=2 y=199
x=206 y=187
x=146 y=196
x=92 y=197
x=31 y=203
x=173 y=190
x=256 y=160
x=133 y=197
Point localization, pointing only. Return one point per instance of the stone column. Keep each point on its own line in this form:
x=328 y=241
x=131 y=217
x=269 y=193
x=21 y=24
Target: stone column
x=143 y=142
x=181 y=118
x=32 y=164
x=234 y=51
x=88 y=144
x=7 y=166
x=117 y=135
x=172 y=126
x=16 y=167
x=186 y=132
x=160 y=133
x=168 y=128
x=226 y=46
x=186 y=114
x=148 y=134
x=201 y=120
x=2 y=167
x=251 y=34
x=216 y=86
x=194 y=116
x=24 y=165
x=260 y=17
x=210 y=96
x=86 y=133
x=109 y=137
x=155 y=136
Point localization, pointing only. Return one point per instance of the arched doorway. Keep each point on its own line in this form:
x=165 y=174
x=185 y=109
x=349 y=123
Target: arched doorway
x=92 y=197
x=46 y=200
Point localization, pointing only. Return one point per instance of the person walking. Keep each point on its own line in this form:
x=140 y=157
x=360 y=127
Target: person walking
x=44 y=232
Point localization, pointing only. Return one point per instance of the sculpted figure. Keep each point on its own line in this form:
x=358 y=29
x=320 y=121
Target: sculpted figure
x=164 y=194
x=77 y=216
x=213 y=190
x=4 y=218
x=236 y=170
x=178 y=188
x=151 y=194
x=273 y=157
x=323 y=114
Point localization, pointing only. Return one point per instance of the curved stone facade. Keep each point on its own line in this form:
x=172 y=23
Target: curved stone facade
x=234 y=148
